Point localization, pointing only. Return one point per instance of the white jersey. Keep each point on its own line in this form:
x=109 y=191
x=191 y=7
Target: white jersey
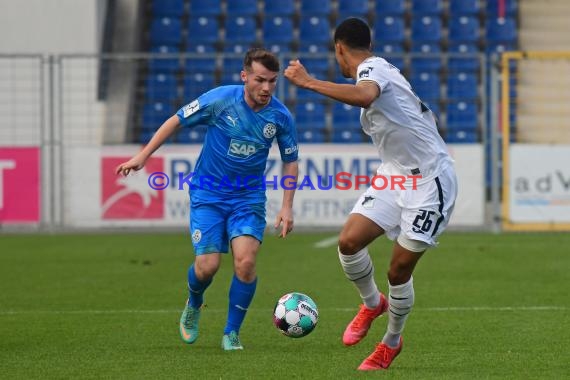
x=402 y=128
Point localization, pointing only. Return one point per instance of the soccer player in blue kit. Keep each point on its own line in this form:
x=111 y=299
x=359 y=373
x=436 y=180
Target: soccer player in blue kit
x=227 y=191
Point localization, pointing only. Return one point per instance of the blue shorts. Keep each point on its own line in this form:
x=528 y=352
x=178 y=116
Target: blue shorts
x=215 y=222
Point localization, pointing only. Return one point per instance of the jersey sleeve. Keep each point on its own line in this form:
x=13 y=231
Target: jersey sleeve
x=374 y=73
x=197 y=112
x=287 y=140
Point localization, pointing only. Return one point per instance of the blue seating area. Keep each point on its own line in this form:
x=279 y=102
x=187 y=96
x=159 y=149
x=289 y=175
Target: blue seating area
x=436 y=44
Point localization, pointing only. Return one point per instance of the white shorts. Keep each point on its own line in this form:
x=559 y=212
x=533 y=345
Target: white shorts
x=421 y=214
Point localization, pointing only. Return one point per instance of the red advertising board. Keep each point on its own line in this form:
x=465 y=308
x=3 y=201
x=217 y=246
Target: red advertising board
x=130 y=197
x=20 y=185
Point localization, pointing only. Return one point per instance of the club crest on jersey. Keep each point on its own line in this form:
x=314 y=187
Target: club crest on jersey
x=191 y=108
x=269 y=130
x=368 y=202
x=242 y=149
x=365 y=73
x=197 y=236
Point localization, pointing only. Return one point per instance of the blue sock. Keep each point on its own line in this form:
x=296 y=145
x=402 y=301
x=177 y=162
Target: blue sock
x=196 y=288
x=241 y=294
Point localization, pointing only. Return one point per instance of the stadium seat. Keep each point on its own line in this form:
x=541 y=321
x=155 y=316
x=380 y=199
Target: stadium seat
x=283 y=89
x=501 y=29
x=426 y=57
x=461 y=136
x=310 y=115
x=240 y=29
x=499 y=47
x=238 y=48
x=167 y=8
x=463 y=29
x=341 y=79
x=241 y=7
x=427 y=7
x=194 y=135
x=433 y=105
x=313 y=57
x=463 y=57
x=161 y=86
x=205 y=8
x=231 y=78
x=398 y=62
x=354 y=136
x=312 y=47
x=232 y=65
x=203 y=29
x=494 y=7
x=278 y=48
x=158 y=64
x=309 y=107
x=204 y=58
x=312 y=7
x=426 y=29
x=464 y=7
x=314 y=29
x=393 y=53
x=165 y=31
x=395 y=48
x=197 y=83
x=154 y=114
x=145 y=136
x=426 y=85
x=310 y=135
x=279 y=8
x=462 y=116
x=318 y=65
x=345 y=116
x=389 y=29
x=352 y=8
x=462 y=87
x=304 y=95
x=390 y=7
x=278 y=30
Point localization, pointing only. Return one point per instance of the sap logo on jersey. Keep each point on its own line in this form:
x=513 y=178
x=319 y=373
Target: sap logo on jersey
x=242 y=149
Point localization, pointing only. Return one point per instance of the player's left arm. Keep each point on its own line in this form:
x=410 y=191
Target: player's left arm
x=361 y=94
x=285 y=215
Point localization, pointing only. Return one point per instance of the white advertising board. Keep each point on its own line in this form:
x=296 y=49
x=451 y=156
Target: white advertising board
x=539 y=184
x=95 y=196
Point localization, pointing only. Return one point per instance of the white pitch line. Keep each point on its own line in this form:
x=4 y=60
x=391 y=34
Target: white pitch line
x=165 y=311
x=326 y=243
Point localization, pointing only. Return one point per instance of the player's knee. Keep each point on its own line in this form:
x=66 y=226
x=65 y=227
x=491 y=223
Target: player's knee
x=399 y=274
x=348 y=245
x=400 y=271
x=206 y=272
x=207 y=268
x=245 y=269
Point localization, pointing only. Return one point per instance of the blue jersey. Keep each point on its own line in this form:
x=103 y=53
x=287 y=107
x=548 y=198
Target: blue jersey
x=237 y=142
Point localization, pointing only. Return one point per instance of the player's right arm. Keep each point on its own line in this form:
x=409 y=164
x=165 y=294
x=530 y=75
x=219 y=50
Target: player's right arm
x=166 y=130
x=194 y=113
x=361 y=94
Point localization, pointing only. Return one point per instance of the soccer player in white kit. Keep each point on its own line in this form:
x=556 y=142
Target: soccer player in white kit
x=405 y=133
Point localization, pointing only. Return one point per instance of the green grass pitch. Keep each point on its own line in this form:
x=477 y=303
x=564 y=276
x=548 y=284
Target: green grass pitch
x=107 y=306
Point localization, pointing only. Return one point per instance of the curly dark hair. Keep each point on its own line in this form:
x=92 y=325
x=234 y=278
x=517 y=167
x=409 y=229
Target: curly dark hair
x=354 y=33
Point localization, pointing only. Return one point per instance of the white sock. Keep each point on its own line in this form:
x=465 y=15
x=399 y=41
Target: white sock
x=360 y=270
x=401 y=301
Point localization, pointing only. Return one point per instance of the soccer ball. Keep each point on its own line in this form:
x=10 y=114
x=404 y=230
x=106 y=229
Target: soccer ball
x=295 y=315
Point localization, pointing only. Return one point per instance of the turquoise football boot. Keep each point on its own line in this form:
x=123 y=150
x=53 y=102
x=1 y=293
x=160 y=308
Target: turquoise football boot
x=231 y=342
x=189 y=324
